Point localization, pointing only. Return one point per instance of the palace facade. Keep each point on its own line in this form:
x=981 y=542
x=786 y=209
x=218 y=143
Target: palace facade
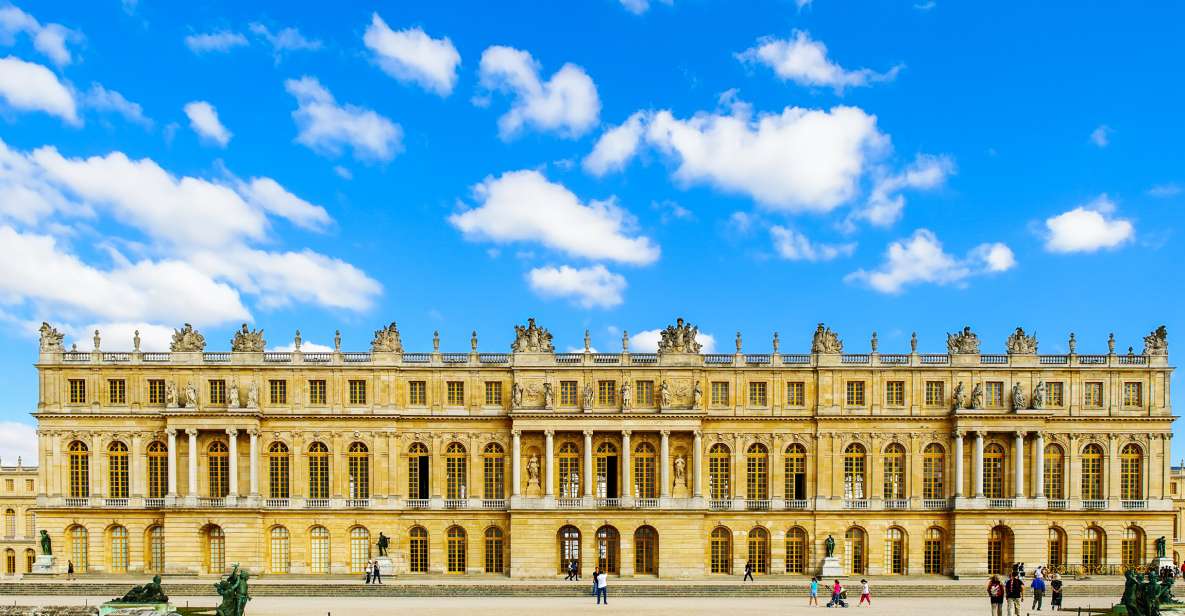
x=670 y=464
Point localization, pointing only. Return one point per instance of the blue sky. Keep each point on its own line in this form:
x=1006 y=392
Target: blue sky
x=609 y=165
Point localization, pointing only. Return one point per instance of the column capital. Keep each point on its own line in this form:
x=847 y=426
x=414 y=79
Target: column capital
x=1019 y=434
x=516 y=433
x=1038 y=434
x=191 y=432
x=171 y=432
x=626 y=433
x=958 y=434
x=588 y=433
x=232 y=432
x=698 y=434
x=664 y=433
x=253 y=432
x=549 y=433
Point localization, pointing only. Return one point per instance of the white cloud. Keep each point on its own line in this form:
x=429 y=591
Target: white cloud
x=804 y=61
x=802 y=3
x=305 y=347
x=283 y=278
x=325 y=127
x=523 y=206
x=1101 y=136
x=18 y=440
x=795 y=246
x=119 y=335
x=567 y=104
x=1161 y=191
x=588 y=287
x=925 y=5
x=50 y=39
x=411 y=55
x=102 y=99
x=219 y=41
x=269 y=196
x=343 y=173
x=1087 y=228
x=27 y=86
x=920 y=258
x=885 y=203
x=646 y=341
x=203 y=119
x=637 y=7
x=287 y=39
x=616 y=146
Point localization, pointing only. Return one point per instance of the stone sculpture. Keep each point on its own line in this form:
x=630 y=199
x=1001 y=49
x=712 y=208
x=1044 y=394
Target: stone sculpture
x=233 y=591
x=46 y=543
x=473 y=342
x=148 y=593
x=913 y=342
x=679 y=338
x=1038 y=401
x=625 y=341
x=516 y=394
x=386 y=340
x=587 y=342
x=383 y=543
x=187 y=340
x=829 y=546
x=588 y=396
x=531 y=339
x=233 y=400
x=1073 y=343
x=697 y=395
x=533 y=470
x=436 y=341
x=664 y=395
x=1020 y=344
x=738 y=343
x=547 y=396
x=627 y=396
x=977 y=396
x=51 y=338
x=958 y=397
x=252 y=395
x=1161 y=546
x=136 y=341
x=776 y=343
x=1111 y=343
x=247 y=341
x=1018 y=397
x=190 y=395
x=296 y=340
x=680 y=471
x=1157 y=342
x=96 y=340
x=170 y=395
x=962 y=343
x=826 y=341
x=337 y=340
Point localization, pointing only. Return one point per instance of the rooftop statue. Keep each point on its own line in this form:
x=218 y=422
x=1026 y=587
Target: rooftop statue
x=247 y=341
x=51 y=338
x=187 y=340
x=1155 y=343
x=679 y=338
x=148 y=593
x=1020 y=344
x=964 y=342
x=532 y=339
x=826 y=341
x=386 y=340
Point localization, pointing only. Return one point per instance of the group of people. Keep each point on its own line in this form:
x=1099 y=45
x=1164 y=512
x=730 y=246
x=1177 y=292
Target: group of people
x=1012 y=590
x=600 y=581
x=373 y=574
x=839 y=594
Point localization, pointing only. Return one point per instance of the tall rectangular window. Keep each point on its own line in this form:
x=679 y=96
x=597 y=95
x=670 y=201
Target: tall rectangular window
x=1092 y=395
x=357 y=391
x=644 y=394
x=568 y=393
x=719 y=393
x=855 y=393
x=317 y=391
x=994 y=394
x=278 y=391
x=606 y=393
x=1133 y=394
x=796 y=393
x=417 y=393
x=494 y=393
x=895 y=393
x=935 y=393
x=1055 y=394
x=758 y=394
x=117 y=392
x=217 y=391
x=456 y=393
x=77 y=391
x=156 y=391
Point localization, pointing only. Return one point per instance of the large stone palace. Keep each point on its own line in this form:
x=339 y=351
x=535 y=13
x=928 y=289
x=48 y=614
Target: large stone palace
x=671 y=464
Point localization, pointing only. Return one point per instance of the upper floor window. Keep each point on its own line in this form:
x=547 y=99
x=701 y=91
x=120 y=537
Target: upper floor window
x=455 y=391
x=1133 y=394
x=1131 y=472
x=417 y=393
x=77 y=391
x=156 y=391
x=855 y=393
x=644 y=396
x=757 y=394
x=933 y=471
x=796 y=393
x=317 y=392
x=357 y=391
x=217 y=391
x=117 y=392
x=1092 y=395
x=994 y=394
x=719 y=393
x=1055 y=394
x=894 y=461
x=278 y=391
x=935 y=393
x=606 y=393
x=568 y=395
x=895 y=393
x=854 y=459
x=494 y=393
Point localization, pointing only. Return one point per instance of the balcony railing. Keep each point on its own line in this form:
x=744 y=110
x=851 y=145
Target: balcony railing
x=1001 y=503
x=211 y=502
x=796 y=503
x=1094 y=503
x=568 y=358
x=115 y=502
x=1133 y=505
x=276 y=503
x=154 y=503
x=76 y=356
x=796 y=358
x=646 y=503
x=608 y=503
x=493 y=503
x=606 y=358
x=78 y=502
x=853 y=358
x=644 y=358
x=493 y=358
x=155 y=357
x=720 y=504
x=934 y=359
x=1054 y=360
x=316 y=503
x=856 y=503
x=574 y=502
x=416 y=503
x=1133 y=360
x=456 y=503
x=896 y=503
x=757 y=505
x=318 y=357
x=116 y=357
x=279 y=357
x=935 y=504
x=1058 y=504
x=1091 y=360
x=994 y=359
x=893 y=359
x=757 y=358
x=216 y=356
x=358 y=503
x=455 y=358
x=356 y=357
x=718 y=359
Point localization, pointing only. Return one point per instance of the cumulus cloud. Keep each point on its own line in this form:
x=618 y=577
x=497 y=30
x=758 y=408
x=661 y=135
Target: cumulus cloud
x=588 y=287
x=50 y=39
x=921 y=259
x=646 y=341
x=119 y=335
x=1162 y=191
x=27 y=86
x=218 y=41
x=203 y=119
x=270 y=197
x=284 y=41
x=616 y=146
x=1087 y=228
x=18 y=440
x=523 y=206
x=566 y=104
x=804 y=61
x=306 y=346
x=794 y=246
x=885 y=202
x=283 y=278
x=326 y=127
x=102 y=99
x=413 y=56
x=1101 y=136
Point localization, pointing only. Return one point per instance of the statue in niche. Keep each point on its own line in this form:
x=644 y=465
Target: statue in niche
x=533 y=470
x=233 y=401
x=977 y=396
x=1018 y=397
x=958 y=397
x=1038 y=401
x=516 y=394
x=664 y=395
x=51 y=338
x=680 y=471
x=627 y=396
x=170 y=395
x=252 y=395
x=547 y=396
x=190 y=395
x=588 y=396
x=697 y=395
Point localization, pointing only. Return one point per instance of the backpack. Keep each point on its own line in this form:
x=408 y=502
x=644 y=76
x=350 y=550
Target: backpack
x=996 y=590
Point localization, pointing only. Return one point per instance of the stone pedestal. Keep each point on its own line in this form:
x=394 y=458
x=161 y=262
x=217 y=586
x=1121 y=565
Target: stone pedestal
x=832 y=568
x=386 y=566
x=1160 y=561
x=43 y=565
x=113 y=608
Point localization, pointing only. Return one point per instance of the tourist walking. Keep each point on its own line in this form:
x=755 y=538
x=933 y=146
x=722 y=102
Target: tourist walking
x=369 y=570
x=837 y=596
x=69 y=569
x=1038 y=590
x=865 y=595
x=1014 y=590
x=572 y=571
x=814 y=598
x=995 y=591
x=1055 y=599
x=602 y=580
x=748 y=571
x=376 y=574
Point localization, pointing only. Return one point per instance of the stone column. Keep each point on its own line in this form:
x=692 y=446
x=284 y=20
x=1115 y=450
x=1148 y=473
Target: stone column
x=1039 y=465
x=665 y=461
x=627 y=488
x=588 y=466
x=1111 y=476
x=549 y=463
x=192 y=434
x=172 y=434
x=698 y=446
x=1020 y=464
x=515 y=453
x=254 y=434
x=979 y=464
x=232 y=438
x=135 y=475
x=959 y=463
x=1167 y=470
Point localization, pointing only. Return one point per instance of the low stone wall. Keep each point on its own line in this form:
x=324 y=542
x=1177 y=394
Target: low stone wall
x=49 y=610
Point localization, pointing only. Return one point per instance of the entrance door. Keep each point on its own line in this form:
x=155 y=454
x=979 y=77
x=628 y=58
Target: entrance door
x=611 y=477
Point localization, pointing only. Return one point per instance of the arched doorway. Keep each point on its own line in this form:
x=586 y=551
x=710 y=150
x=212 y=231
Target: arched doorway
x=895 y=551
x=796 y=550
x=721 y=550
x=568 y=540
x=855 y=555
x=999 y=548
x=758 y=545
x=646 y=551
x=608 y=549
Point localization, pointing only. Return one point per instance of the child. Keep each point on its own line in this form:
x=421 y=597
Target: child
x=814 y=598
x=864 y=594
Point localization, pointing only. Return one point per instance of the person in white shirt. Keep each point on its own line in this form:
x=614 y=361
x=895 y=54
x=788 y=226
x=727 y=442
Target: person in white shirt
x=865 y=595
x=602 y=588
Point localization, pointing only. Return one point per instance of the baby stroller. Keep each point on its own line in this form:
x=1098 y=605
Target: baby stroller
x=839 y=600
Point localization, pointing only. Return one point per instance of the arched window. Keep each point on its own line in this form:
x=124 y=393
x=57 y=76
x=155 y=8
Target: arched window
x=1093 y=544
x=932 y=551
x=279 y=463
x=795 y=472
x=417 y=550
x=646 y=551
x=417 y=471
x=569 y=465
x=568 y=539
x=117 y=470
x=1131 y=473
x=455 y=469
x=493 y=472
x=606 y=461
x=719 y=472
x=721 y=550
x=993 y=471
x=999 y=549
x=895 y=551
x=854 y=460
x=156 y=549
x=117 y=541
x=933 y=472
x=1055 y=473
x=158 y=469
x=318 y=470
x=30 y=559
x=1057 y=547
x=1092 y=472
x=218 y=469
x=895 y=471
x=359 y=549
x=358 y=457
x=10 y=561
x=645 y=485
x=757 y=472
x=796 y=545
x=215 y=551
x=495 y=550
x=10 y=522
x=758 y=545
x=855 y=555
x=608 y=549
x=79 y=548
x=280 y=548
x=1132 y=549
x=319 y=550
x=80 y=471
x=456 y=549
